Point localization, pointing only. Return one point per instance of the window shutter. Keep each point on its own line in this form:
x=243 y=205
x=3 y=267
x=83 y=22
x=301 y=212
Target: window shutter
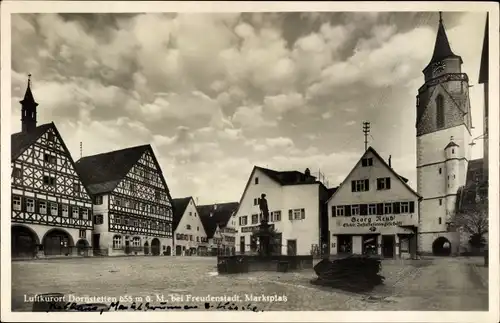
x=302 y=214
x=388 y=183
x=59 y=209
x=363 y=162
x=290 y=214
x=363 y=209
x=334 y=211
x=380 y=208
x=37 y=206
x=412 y=207
x=378 y=183
x=347 y=210
x=353 y=186
x=395 y=208
x=367 y=184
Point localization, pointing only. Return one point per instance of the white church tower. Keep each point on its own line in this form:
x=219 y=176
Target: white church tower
x=443 y=151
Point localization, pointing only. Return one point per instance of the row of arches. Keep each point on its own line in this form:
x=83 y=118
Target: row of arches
x=56 y=242
x=133 y=244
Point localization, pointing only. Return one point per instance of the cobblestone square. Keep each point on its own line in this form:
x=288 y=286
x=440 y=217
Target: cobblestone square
x=434 y=284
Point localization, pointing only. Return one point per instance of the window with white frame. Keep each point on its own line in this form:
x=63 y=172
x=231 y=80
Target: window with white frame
x=243 y=220
x=404 y=207
x=30 y=205
x=383 y=183
x=99 y=200
x=360 y=185
x=82 y=233
x=372 y=209
x=297 y=214
x=365 y=162
x=53 y=208
x=255 y=218
x=339 y=210
x=85 y=214
x=276 y=216
x=16 y=203
x=117 y=242
x=65 y=210
x=75 y=214
x=136 y=242
x=387 y=208
x=355 y=210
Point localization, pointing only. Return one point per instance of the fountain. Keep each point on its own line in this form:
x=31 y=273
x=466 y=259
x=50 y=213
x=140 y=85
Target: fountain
x=269 y=256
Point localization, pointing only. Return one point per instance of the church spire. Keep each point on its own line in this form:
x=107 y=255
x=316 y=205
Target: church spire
x=28 y=109
x=442 y=47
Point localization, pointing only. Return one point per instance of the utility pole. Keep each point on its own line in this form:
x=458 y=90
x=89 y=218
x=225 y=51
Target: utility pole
x=366 y=131
x=81 y=149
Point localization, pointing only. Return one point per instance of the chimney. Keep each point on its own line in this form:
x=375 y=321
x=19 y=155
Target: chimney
x=390 y=161
x=307 y=172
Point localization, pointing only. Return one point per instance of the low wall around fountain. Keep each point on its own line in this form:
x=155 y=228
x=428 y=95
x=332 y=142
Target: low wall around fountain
x=252 y=263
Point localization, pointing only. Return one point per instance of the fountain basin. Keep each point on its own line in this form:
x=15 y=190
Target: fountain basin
x=252 y=263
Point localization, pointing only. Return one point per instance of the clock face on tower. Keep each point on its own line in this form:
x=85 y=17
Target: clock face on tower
x=438 y=67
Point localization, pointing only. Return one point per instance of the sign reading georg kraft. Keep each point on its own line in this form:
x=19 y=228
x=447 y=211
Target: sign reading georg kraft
x=375 y=223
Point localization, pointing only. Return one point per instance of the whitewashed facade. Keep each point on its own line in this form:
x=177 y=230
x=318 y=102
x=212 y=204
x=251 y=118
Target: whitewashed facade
x=294 y=209
x=190 y=237
x=373 y=211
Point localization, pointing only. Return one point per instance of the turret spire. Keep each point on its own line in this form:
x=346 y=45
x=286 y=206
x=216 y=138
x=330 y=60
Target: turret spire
x=28 y=109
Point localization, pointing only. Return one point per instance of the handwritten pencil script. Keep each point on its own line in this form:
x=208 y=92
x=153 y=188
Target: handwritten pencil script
x=116 y=306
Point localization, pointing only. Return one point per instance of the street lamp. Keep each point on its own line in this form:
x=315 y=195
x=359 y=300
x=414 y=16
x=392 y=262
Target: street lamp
x=473 y=142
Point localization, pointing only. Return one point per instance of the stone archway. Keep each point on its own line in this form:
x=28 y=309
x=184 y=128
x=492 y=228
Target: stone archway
x=82 y=247
x=169 y=251
x=155 y=247
x=24 y=242
x=146 y=248
x=441 y=247
x=57 y=242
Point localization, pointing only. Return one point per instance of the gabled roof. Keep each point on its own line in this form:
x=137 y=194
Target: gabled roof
x=21 y=141
x=483 y=69
x=283 y=178
x=103 y=172
x=214 y=215
x=442 y=47
x=374 y=152
x=292 y=177
x=179 y=207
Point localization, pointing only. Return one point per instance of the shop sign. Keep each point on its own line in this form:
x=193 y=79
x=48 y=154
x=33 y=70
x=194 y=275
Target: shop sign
x=372 y=222
x=255 y=228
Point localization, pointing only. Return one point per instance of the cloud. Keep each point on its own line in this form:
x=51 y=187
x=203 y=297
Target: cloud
x=216 y=94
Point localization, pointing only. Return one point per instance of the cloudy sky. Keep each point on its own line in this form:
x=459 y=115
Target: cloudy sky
x=215 y=94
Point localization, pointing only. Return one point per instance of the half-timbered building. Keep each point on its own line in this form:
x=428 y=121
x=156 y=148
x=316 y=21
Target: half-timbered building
x=51 y=209
x=132 y=202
